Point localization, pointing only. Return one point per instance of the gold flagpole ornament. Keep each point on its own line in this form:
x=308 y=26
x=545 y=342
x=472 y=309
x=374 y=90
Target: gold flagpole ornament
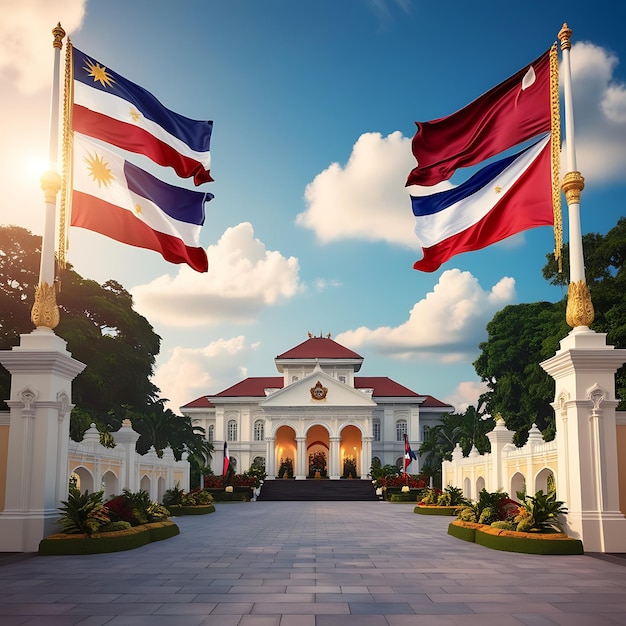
x=45 y=312
x=579 y=312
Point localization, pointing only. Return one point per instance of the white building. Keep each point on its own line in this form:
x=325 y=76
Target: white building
x=317 y=405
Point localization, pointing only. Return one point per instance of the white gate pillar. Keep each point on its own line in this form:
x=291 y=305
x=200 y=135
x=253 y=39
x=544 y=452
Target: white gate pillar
x=586 y=434
x=42 y=371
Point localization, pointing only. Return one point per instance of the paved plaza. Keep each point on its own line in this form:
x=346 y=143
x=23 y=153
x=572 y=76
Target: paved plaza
x=312 y=564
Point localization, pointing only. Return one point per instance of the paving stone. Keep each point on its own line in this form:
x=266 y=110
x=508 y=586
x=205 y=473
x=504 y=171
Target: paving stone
x=313 y=564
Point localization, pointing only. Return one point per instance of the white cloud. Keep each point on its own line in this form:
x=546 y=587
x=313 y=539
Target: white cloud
x=26 y=68
x=243 y=278
x=367 y=198
x=447 y=325
x=189 y=373
x=599 y=114
x=466 y=394
x=26 y=51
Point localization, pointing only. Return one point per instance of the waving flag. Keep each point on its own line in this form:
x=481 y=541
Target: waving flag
x=502 y=199
x=117 y=111
x=226 y=460
x=116 y=198
x=512 y=112
x=409 y=455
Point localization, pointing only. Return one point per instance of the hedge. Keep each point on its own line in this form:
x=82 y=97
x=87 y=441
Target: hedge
x=428 y=509
x=512 y=541
x=198 y=509
x=129 y=539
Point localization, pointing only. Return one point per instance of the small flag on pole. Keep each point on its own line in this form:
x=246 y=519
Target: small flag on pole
x=226 y=460
x=409 y=455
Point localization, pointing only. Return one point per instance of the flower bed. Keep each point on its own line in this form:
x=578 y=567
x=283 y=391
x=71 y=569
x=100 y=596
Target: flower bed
x=198 y=509
x=99 y=543
x=435 y=509
x=514 y=541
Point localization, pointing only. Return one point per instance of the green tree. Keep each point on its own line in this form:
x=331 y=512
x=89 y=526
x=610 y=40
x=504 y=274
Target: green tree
x=519 y=337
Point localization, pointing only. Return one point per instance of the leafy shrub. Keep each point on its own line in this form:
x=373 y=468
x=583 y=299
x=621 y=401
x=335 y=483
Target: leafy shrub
x=452 y=496
x=114 y=527
x=503 y=525
x=541 y=512
x=82 y=513
x=137 y=508
x=173 y=496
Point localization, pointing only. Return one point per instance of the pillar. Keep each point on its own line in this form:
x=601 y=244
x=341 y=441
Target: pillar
x=587 y=479
x=42 y=371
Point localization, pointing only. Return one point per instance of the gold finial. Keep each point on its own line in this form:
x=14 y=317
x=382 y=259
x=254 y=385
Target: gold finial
x=50 y=183
x=579 y=310
x=58 y=33
x=45 y=311
x=573 y=184
x=565 y=35
x=310 y=334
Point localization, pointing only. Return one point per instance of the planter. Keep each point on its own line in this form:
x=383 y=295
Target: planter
x=513 y=541
x=129 y=539
x=198 y=509
x=433 y=509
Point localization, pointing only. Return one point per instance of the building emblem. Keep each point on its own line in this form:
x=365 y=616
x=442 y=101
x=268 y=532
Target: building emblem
x=318 y=392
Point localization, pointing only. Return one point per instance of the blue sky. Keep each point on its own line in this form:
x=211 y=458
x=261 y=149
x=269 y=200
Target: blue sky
x=311 y=230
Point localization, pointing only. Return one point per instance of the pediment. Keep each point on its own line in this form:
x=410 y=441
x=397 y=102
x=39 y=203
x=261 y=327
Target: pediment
x=318 y=390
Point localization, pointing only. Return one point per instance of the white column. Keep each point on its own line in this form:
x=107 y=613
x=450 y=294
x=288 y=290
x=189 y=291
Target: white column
x=498 y=437
x=300 y=469
x=127 y=438
x=42 y=371
x=366 y=456
x=334 y=462
x=270 y=458
x=586 y=434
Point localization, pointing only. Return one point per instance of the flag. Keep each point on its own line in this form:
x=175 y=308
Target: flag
x=504 y=198
x=513 y=112
x=112 y=109
x=226 y=460
x=119 y=200
x=409 y=455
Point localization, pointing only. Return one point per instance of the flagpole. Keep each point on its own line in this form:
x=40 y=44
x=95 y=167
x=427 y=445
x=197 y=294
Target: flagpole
x=45 y=313
x=579 y=313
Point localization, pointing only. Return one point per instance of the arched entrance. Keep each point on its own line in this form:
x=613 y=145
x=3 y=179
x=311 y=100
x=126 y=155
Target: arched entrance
x=318 y=451
x=350 y=448
x=285 y=451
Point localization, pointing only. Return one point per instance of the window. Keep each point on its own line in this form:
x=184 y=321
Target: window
x=400 y=430
x=232 y=430
x=294 y=379
x=342 y=379
x=210 y=435
x=425 y=431
x=259 y=430
x=376 y=429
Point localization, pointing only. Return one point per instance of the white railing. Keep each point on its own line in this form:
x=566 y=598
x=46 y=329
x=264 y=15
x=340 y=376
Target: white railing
x=115 y=469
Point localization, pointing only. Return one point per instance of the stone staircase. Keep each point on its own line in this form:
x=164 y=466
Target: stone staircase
x=321 y=490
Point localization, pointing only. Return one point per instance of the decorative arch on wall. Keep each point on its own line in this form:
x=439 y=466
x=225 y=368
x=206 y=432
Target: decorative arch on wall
x=109 y=484
x=518 y=483
x=480 y=485
x=543 y=479
x=467 y=488
x=84 y=479
x=145 y=483
x=160 y=488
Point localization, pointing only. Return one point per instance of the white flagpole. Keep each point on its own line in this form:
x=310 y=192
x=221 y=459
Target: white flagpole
x=579 y=307
x=45 y=312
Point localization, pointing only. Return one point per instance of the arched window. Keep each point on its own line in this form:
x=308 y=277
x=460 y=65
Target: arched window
x=232 y=430
x=294 y=379
x=400 y=430
x=425 y=431
x=376 y=429
x=210 y=433
x=259 y=430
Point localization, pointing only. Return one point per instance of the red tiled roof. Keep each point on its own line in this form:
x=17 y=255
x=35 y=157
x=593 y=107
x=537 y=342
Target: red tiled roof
x=383 y=386
x=199 y=403
x=254 y=387
x=251 y=387
x=319 y=348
